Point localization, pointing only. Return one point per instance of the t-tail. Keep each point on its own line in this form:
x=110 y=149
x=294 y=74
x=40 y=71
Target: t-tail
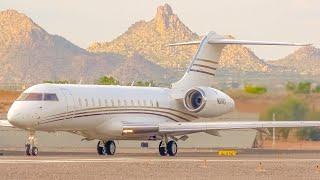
x=202 y=69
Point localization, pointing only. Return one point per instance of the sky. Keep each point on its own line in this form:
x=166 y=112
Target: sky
x=83 y=22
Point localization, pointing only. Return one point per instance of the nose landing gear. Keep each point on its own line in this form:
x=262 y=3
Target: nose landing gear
x=106 y=147
x=30 y=147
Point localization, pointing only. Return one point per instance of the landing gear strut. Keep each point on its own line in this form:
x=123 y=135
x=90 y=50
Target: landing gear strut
x=30 y=147
x=168 y=147
x=106 y=148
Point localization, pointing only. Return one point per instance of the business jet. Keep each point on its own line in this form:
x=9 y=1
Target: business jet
x=108 y=113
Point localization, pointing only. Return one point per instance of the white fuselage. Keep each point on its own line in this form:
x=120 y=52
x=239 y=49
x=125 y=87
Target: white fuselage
x=98 y=112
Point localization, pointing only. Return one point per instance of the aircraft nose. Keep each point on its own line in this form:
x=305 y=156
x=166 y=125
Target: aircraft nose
x=20 y=118
x=15 y=117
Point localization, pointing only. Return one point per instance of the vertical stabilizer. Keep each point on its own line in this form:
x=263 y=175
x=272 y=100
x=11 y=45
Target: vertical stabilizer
x=201 y=71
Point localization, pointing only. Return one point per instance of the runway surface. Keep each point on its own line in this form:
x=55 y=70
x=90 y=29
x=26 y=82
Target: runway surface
x=147 y=164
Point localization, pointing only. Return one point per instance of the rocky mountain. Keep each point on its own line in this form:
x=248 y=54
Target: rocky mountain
x=137 y=67
x=29 y=54
x=150 y=39
x=305 y=60
x=240 y=58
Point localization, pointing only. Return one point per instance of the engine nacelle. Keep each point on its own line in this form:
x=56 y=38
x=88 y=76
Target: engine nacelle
x=207 y=102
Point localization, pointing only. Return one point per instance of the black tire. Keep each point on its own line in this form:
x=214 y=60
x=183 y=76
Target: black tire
x=34 y=151
x=28 y=149
x=172 y=148
x=162 y=150
x=101 y=149
x=110 y=147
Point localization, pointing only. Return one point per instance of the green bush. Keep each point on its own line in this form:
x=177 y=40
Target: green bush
x=58 y=82
x=301 y=88
x=317 y=89
x=108 y=80
x=254 y=89
x=291 y=109
x=145 y=83
x=290 y=86
x=304 y=87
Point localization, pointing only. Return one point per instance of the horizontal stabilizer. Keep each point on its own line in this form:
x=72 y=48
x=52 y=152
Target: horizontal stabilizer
x=185 y=43
x=217 y=39
x=246 y=42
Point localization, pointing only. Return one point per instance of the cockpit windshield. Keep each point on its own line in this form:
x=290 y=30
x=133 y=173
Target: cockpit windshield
x=38 y=97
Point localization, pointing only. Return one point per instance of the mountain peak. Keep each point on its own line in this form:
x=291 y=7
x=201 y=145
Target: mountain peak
x=11 y=16
x=164 y=10
x=165 y=18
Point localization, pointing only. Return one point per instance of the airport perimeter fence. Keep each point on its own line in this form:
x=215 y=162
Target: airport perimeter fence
x=13 y=86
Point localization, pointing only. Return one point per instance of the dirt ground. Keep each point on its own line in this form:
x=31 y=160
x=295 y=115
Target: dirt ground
x=6 y=99
x=248 y=164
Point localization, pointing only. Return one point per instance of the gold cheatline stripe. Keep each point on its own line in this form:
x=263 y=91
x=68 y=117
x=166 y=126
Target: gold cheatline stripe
x=204 y=72
x=108 y=113
x=126 y=108
x=200 y=65
x=111 y=110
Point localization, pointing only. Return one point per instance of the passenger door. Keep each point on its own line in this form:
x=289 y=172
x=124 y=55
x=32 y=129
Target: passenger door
x=69 y=102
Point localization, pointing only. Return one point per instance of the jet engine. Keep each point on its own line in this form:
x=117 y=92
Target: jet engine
x=207 y=102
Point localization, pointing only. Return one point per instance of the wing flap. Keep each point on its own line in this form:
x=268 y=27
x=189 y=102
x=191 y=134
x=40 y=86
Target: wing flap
x=193 y=127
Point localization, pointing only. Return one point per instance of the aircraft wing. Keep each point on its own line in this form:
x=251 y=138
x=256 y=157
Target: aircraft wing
x=193 y=127
x=5 y=123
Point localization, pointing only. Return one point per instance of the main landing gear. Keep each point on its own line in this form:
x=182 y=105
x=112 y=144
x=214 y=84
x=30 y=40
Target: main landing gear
x=106 y=148
x=30 y=147
x=168 y=147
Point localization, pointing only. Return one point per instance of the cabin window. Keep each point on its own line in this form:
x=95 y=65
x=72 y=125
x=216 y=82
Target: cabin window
x=30 y=97
x=80 y=102
x=50 y=97
x=157 y=104
x=138 y=102
x=106 y=102
x=86 y=101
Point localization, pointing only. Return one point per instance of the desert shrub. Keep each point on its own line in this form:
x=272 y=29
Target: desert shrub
x=291 y=109
x=317 y=89
x=303 y=87
x=248 y=88
x=58 y=82
x=108 y=80
x=290 y=86
x=145 y=83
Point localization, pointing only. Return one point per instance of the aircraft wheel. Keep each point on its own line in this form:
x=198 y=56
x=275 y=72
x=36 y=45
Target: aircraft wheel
x=101 y=149
x=162 y=149
x=172 y=148
x=110 y=147
x=34 y=151
x=28 y=149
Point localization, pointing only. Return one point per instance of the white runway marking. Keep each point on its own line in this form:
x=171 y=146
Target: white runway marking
x=135 y=160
